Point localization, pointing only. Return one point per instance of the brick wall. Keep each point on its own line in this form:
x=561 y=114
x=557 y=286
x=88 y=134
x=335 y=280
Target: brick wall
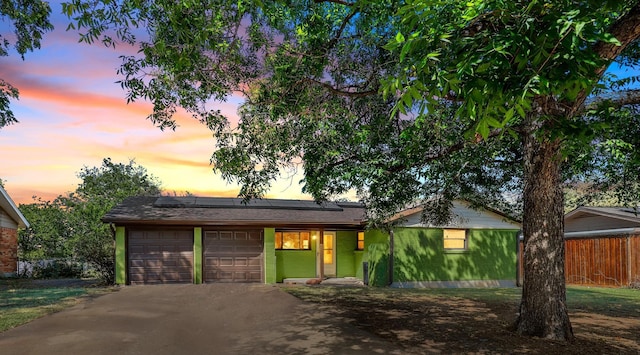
x=8 y=251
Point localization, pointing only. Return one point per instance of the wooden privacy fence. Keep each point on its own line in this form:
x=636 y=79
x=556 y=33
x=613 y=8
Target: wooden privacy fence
x=599 y=260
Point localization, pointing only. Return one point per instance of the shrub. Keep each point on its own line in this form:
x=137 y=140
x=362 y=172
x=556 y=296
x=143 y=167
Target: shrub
x=57 y=269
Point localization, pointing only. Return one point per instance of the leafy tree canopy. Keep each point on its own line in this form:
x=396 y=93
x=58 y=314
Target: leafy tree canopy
x=395 y=100
x=71 y=225
x=49 y=233
x=29 y=20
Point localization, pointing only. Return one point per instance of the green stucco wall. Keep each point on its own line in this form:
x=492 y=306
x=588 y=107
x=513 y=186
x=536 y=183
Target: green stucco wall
x=419 y=255
x=197 y=255
x=346 y=242
x=269 y=235
x=376 y=244
x=302 y=263
x=121 y=257
x=296 y=263
x=358 y=258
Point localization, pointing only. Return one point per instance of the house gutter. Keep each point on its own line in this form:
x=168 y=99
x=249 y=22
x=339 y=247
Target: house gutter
x=599 y=233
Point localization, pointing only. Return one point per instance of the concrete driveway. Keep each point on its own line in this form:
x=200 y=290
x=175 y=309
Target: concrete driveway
x=193 y=319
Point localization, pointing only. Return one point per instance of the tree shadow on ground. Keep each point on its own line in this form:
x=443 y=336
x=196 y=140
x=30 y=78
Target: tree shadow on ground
x=442 y=324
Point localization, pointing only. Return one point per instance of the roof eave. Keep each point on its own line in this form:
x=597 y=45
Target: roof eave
x=587 y=210
x=10 y=207
x=235 y=223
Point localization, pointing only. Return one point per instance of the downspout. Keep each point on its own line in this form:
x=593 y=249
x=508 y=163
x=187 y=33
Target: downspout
x=321 y=253
x=629 y=276
x=391 y=245
x=519 y=257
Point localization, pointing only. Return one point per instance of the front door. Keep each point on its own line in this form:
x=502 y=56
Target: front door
x=329 y=253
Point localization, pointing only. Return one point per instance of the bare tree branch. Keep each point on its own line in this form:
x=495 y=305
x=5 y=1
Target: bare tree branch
x=620 y=99
x=340 y=2
x=340 y=92
x=625 y=30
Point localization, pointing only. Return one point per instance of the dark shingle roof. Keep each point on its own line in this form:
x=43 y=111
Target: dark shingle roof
x=625 y=213
x=193 y=210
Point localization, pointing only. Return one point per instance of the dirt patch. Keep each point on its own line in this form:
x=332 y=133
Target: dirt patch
x=424 y=323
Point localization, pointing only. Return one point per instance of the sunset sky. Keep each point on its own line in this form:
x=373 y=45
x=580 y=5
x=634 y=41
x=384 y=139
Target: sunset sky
x=72 y=114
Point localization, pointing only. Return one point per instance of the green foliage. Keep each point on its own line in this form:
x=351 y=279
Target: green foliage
x=101 y=189
x=399 y=102
x=29 y=20
x=500 y=55
x=113 y=182
x=311 y=73
x=49 y=235
x=57 y=269
x=70 y=226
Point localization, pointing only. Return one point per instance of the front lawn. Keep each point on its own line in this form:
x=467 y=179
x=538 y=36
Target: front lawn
x=22 y=301
x=604 y=320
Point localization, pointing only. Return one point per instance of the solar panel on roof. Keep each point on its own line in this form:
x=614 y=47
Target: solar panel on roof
x=173 y=201
x=214 y=202
x=221 y=202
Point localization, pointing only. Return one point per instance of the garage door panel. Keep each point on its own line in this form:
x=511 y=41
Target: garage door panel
x=248 y=250
x=208 y=262
x=136 y=263
x=160 y=256
x=241 y=261
x=233 y=256
x=225 y=235
x=255 y=262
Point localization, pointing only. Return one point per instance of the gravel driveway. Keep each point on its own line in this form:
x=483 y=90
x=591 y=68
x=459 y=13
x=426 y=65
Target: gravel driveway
x=193 y=319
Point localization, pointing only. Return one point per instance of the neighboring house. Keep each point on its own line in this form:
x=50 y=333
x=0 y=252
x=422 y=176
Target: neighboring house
x=202 y=239
x=476 y=248
x=602 y=246
x=10 y=220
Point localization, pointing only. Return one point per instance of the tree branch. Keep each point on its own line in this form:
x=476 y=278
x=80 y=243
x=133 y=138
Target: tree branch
x=340 y=2
x=625 y=30
x=339 y=92
x=346 y=20
x=445 y=151
x=625 y=98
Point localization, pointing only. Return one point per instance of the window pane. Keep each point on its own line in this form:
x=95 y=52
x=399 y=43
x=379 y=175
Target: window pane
x=290 y=240
x=454 y=244
x=305 y=240
x=360 y=245
x=328 y=256
x=278 y=240
x=295 y=240
x=328 y=241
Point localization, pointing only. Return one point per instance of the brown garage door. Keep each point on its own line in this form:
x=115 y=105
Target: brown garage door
x=233 y=256
x=160 y=256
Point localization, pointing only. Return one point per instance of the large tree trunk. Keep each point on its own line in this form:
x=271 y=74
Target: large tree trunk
x=543 y=310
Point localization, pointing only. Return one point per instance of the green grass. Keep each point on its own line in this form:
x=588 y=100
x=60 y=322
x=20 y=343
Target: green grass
x=20 y=306
x=601 y=299
x=590 y=299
